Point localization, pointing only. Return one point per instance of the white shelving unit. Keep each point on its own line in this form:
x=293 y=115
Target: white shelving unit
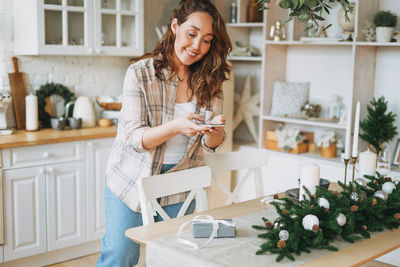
x=353 y=70
x=348 y=69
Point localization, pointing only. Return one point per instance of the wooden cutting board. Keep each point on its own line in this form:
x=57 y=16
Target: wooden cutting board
x=19 y=91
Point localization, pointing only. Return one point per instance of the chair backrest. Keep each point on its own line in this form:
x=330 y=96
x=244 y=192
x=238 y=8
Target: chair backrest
x=161 y=185
x=233 y=161
x=251 y=160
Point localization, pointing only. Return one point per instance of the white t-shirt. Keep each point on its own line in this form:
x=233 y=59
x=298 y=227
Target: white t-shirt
x=176 y=146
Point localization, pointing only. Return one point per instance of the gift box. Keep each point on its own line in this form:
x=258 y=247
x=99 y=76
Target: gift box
x=203 y=229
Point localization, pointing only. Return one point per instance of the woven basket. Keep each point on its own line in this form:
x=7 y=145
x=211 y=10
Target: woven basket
x=109 y=105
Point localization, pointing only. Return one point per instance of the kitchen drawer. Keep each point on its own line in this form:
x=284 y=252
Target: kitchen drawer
x=42 y=154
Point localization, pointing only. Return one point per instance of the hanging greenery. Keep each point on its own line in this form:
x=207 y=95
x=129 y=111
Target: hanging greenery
x=378 y=128
x=305 y=10
x=47 y=90
x=359 y=209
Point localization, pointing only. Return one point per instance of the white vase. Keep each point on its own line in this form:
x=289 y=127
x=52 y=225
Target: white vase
x=384 y=34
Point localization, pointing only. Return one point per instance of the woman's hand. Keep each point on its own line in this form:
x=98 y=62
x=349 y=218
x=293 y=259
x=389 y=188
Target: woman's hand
x=215 y=135
x=186 y=126
x=220 y=119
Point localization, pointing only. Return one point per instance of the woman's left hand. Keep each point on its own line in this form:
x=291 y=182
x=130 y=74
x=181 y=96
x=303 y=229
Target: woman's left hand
x=220 y=119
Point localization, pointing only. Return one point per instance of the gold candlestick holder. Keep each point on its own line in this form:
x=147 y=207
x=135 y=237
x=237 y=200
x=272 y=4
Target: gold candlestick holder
x=353 y=161
x=346 y=162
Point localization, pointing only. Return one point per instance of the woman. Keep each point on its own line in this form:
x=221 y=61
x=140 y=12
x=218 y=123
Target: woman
x=165 y=96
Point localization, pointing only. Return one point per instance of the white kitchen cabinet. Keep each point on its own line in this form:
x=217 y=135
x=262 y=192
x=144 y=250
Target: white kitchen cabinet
x=1 y=254
x=78 y=27
x=25 y=212
x=66 y=204
x=97 y=156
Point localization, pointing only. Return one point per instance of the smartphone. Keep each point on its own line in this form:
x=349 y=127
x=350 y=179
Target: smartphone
x=212 y=125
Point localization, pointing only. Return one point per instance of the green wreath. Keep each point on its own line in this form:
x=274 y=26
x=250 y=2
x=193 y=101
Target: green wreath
x=47 y=90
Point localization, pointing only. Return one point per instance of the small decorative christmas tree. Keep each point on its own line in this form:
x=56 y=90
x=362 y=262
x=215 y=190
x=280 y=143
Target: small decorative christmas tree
x=379 y=126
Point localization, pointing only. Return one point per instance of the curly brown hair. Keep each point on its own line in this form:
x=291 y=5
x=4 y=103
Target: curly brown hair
x=206 y=75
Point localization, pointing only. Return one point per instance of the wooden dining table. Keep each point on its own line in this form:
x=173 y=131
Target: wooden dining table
x=354 y=254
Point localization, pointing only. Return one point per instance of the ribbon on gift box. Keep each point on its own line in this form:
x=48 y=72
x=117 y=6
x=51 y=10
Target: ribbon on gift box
x=209 y=219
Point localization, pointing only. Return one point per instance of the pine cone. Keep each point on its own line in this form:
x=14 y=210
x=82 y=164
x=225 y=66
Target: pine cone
x=281 y=244
x=387 y=179
x=397 y=216
x=311 y=207
x=336 y=193
x=284 y=211
x=364 y=227
x=276 y=196
x=268 y=224
x=354 y=208
x=375 y=181
x=315 y=228
x=314 y=196
x=374 y=201
x=326 y=209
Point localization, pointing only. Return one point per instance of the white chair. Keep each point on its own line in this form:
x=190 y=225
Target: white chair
x=161 y=185
x=252 y=160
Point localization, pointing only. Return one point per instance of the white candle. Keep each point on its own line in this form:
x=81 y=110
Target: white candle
x=367 y=161
x=356 y=129
x=348 y=133
x=31 y=113
x=309 y=178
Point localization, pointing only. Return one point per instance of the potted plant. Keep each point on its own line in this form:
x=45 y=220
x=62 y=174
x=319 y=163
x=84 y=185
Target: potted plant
x=384 y=21
x=379 y=126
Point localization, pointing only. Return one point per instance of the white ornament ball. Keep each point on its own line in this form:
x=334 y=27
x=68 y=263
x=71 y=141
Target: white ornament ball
x=309 y=221
x=381 y=194
x=341 y=219
x=354 y=196
x=323 y=202
x=396 y=181
x=284 y=235
x=360 y=181
x=388 y=187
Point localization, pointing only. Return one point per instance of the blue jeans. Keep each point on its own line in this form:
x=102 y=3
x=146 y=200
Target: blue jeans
x=116 y=249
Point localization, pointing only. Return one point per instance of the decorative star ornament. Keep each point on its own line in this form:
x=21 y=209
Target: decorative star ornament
x=247 y=108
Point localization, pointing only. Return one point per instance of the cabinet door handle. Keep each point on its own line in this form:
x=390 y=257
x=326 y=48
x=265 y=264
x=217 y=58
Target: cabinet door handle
x=90 y=50
x=46 y=154
x=41 y=170
x=90 y=144
x=50 y=169
x=98 y=51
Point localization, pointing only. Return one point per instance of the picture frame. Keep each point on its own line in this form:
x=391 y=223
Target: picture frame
x=396 y=154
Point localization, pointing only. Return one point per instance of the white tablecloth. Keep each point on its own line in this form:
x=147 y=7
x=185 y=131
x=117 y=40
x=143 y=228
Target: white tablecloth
x=238 y=251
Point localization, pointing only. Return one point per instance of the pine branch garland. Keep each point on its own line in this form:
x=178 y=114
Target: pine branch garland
x=363 y=210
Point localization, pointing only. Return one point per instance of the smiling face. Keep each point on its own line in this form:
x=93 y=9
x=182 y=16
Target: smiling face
x=193 y=38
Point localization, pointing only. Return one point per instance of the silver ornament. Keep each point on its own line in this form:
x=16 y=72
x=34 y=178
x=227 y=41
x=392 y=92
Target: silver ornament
x=388 y=187
x=354 y=196
x=293 y=216
x=282 y=225
x=360 y=181
x=309 y=221
x=276 y=225
x=381 y=194
x=323 y=202
x=283 y=235
x=341 y=219
x=396 y=181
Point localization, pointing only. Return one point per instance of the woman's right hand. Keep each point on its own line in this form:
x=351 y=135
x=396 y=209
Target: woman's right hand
x=186 y=126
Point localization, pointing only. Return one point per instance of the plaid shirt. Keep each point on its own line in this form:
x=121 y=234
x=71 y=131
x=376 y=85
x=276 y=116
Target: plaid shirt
x=148 y=102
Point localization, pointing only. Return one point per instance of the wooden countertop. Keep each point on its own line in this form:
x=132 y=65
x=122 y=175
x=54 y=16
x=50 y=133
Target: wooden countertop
x=48 y=136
